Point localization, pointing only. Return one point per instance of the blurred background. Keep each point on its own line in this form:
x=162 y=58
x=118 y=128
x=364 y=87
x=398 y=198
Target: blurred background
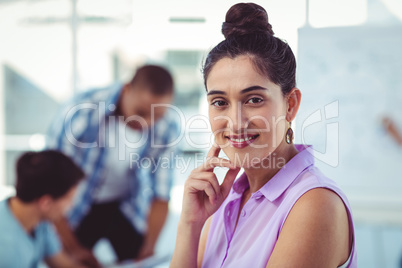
x=349 y=71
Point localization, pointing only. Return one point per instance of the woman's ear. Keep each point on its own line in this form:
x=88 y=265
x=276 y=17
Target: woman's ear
x=293 y=103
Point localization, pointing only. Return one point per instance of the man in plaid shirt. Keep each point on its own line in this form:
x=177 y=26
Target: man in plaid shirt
x=119 y=136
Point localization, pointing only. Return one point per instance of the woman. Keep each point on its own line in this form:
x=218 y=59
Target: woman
x=281 y=212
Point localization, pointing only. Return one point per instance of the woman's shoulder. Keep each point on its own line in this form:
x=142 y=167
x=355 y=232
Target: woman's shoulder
x=312 y=178
x=300 y=175
x=315 y=192
x=320 y=202
x=316 y=209
x=320 y=221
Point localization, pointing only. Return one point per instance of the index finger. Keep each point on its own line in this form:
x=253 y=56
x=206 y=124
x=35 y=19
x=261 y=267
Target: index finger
x=214 y=151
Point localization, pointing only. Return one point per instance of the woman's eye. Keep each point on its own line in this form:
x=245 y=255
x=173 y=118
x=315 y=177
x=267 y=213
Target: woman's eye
x=254 y=100
x=219 y=103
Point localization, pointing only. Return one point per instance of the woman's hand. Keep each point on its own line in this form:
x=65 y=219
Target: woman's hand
x=202 y=193
x=202 y=197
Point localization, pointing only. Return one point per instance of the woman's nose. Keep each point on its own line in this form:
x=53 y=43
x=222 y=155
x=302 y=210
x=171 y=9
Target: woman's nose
x=237 y=118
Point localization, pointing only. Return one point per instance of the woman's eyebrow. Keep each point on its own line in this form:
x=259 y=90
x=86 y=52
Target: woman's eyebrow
x=243 y=91
x=252 y=88
x=216 y=92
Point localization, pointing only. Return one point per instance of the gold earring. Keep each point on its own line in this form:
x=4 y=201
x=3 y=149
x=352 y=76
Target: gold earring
x=289 y=134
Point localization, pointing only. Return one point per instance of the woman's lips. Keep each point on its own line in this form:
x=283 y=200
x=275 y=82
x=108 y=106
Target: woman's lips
x=241 y=141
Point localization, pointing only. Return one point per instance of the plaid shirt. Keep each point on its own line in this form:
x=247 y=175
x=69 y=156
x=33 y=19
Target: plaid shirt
x=79 y=132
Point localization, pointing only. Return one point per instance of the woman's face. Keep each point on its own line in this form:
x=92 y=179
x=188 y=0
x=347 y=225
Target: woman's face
x=246 y=111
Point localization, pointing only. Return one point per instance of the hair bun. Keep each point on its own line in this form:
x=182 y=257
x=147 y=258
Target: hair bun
x=246 y=18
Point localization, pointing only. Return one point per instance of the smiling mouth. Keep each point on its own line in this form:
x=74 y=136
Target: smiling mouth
x=241 y=141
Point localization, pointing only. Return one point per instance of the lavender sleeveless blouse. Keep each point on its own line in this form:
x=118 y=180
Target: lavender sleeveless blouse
x=262 y=217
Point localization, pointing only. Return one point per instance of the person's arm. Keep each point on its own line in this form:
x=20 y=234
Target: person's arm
x=72 y=245
x=203 y=242
x=186 y=249
x=315 y=233
x=156 y=220
x=391 y=128
x=202 y=197
x=62 y=260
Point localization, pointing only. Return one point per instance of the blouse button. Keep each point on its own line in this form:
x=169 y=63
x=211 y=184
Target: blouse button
x=243 y=213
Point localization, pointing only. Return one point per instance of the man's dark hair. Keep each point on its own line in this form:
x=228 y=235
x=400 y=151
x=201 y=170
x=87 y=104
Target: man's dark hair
x=156 y=78
x=45 y=173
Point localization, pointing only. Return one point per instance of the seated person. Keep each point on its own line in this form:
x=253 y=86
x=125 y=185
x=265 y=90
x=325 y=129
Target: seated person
x=46 y=182
x=281 y=211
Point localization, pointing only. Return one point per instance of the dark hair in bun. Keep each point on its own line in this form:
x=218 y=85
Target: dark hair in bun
x=244 y=19
x=248 y=32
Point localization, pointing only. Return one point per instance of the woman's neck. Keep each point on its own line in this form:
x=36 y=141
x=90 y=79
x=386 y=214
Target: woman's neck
x=260 y=175
x=26 y=214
